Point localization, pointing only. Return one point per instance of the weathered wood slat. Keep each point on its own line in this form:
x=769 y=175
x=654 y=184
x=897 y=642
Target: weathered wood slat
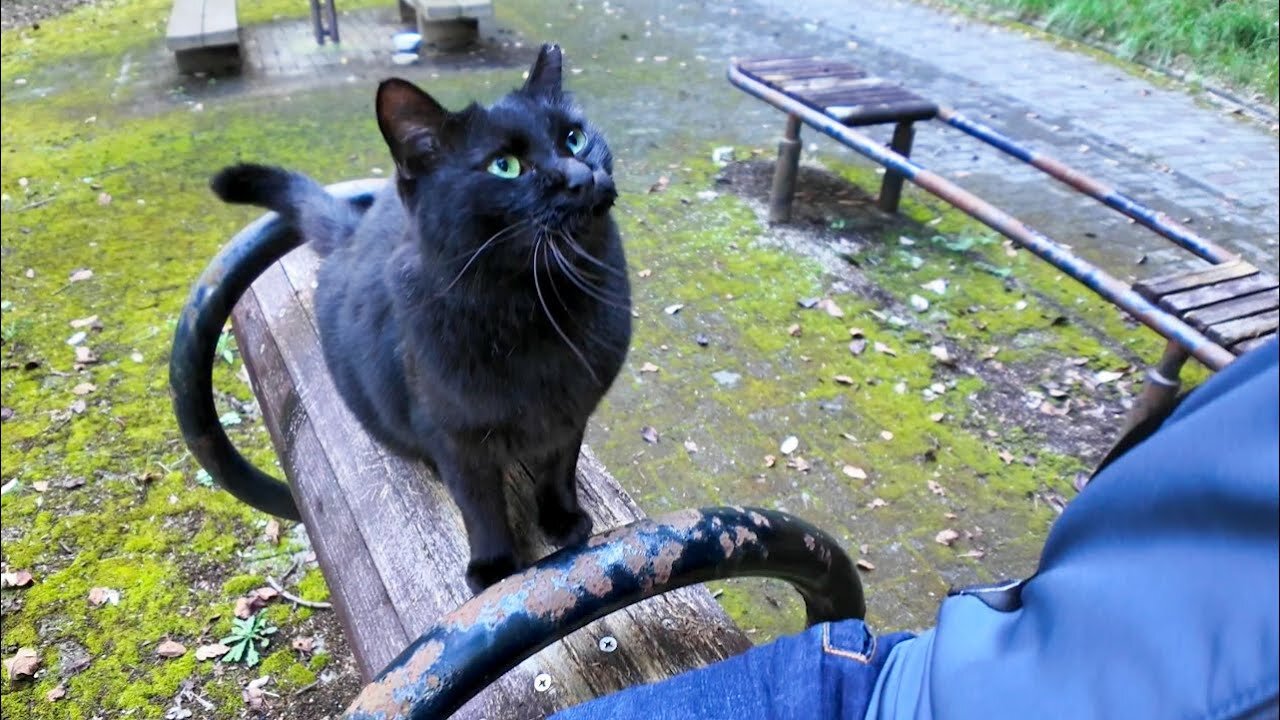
x=1254 y=344
x=1234 y=331
x=1234 y=308
x=1155 y=288
x=1200 y=297
x=391 y=542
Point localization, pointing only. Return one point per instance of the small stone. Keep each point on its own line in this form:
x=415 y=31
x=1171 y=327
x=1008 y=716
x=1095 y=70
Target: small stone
x=946 y=537
x=171 y=649
x=789 y=445
x=919 y=303
x=649 y=368
x=726 y=378
x=854 y=472
x=673 y=309
x=843 y=380
x=864 y=564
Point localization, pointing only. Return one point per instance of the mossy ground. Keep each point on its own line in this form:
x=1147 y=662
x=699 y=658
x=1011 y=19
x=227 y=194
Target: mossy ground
x=181 y=552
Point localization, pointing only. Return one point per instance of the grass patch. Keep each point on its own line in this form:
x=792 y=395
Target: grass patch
x=1234 y=41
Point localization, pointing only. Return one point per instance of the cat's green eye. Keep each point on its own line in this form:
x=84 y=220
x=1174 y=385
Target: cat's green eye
x=576 y=141
x=505 y=166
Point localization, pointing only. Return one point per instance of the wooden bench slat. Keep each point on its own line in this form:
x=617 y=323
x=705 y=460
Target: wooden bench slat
x=1191 y=299
x=186 y=25
x=1155 y=288
x=1234 y=308
x=389 y=515
x=372 y=626
x=219 y=25
x=1234 y=331
x=1252 y=344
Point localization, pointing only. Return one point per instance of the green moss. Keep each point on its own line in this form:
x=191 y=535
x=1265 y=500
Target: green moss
x=286 y=670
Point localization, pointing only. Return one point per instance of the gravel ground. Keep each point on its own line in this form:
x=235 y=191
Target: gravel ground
x=25 y=13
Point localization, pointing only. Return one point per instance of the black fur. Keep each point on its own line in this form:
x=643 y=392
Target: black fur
x=470 y=320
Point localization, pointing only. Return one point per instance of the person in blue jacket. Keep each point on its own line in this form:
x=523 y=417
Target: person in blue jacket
x=1156 y=597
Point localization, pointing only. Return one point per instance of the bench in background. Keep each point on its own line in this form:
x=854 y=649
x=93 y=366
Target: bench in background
x=204 y=36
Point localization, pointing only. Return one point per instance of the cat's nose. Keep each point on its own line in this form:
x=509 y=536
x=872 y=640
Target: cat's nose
x=578 y=179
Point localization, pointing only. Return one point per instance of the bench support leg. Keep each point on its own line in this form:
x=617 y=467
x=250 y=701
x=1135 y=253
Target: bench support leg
x=407 y=13
x=784 y=174
x=891 y=189
x=1160 y=389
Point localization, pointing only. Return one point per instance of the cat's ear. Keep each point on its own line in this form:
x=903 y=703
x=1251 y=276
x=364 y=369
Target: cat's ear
x=411 y=122
x=544 y=76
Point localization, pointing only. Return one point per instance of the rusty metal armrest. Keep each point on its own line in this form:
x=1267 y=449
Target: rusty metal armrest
x=474 y=645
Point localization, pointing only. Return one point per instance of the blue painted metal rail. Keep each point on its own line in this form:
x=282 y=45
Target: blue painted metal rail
x=1097 y=280
x=1106 y=194
x=474 y=645
x=195 y=342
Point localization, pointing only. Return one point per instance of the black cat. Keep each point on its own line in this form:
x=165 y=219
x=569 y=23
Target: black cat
x=475 y=315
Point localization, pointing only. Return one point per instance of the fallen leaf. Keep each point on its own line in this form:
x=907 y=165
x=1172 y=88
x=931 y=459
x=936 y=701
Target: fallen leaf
x=100 y=596
x=209 y=652
x=831 y=307
x=795 y=330
x=1106 y=376
x=85 y=356
x=857 y=346
x=1006 y=456
x=937 y=489
x=660 y=185
x=770 y=461
x=975 y=554
x=918 y=303
x=83 y=388
x=649 y=368
x=82 y=323
x=245 y=607
x=104 y=199
x=272 y=531
x=885 y=349
x=645 y=273
x=40 y=485
x=266 y=594
x=799 y=463
x=856 y=333
x=673 y=309
x=939 y=353
x=991 y=352
x=938 y=417
x=886 y=435
x=24 y=663
x=854 y=472
x=253 y=694
x=81 y=275
x=650 y=434
x=171 y=649
x=843 y=379
x=938 y=287
x=56 y=693
x=877 y=503
x=19 y=578
x=691 y=446
x=864 y=564
x=946 y=537
x=304 y=644
x=789 y=445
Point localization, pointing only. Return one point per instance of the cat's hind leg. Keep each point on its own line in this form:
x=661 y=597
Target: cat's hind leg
x=556 y=478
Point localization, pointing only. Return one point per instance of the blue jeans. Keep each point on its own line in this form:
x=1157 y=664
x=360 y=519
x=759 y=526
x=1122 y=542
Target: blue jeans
x=828 y=671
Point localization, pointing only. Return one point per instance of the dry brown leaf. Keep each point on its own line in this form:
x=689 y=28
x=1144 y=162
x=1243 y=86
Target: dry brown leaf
x=770 y=461
x=24 y=663
x=56 y=693
x=795 y=330
x=867 y=565
x=854 y=472
x=266 y=594
x=81 y=323
x=104 y=199
x=649 y=368
x=831 y=307
x=81 y=275
x=1006 y=456
x=272 y=531
x=245 y=607
x=83 y=388
x=939 y=352
x=946 y=537
x=100 y=596
x=843 y=379
x=40 y=486
x=171 y=649
x=799 y=463
x=304 y=644
x=17 y=578
x=209 y=652
x=938 y=417
x=885 y=349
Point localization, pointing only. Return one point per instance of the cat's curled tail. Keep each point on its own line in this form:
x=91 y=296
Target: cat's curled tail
x=322 y=219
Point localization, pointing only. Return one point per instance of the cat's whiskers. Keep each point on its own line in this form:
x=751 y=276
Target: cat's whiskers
x=586 y=331
x=574 y=246
x=551 y=317
x=582 y=283
x=483 y=246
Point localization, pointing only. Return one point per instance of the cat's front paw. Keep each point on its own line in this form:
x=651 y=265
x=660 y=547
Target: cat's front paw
x=564 y=527
x=483 y=573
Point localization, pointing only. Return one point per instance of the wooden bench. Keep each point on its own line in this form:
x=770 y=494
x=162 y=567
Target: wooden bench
x=448 y=24
x=204 y=36
x=393 y=548
x=847 y=94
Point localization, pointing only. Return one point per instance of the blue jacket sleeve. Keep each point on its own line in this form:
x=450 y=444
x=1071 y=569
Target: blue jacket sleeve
x=1156 y=594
